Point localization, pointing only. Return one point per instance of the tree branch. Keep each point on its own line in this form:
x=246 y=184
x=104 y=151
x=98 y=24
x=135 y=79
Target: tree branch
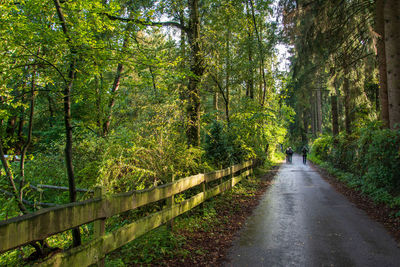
x=149 y=23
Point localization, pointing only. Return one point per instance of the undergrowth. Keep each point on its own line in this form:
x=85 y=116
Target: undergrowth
x=161 y=243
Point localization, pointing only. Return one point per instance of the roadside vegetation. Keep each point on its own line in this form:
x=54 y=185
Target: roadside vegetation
x=344 y=88
x=128 y=95
x=368 y=162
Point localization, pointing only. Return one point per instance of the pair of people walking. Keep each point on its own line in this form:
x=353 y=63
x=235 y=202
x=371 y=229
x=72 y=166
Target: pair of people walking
x=289 y=154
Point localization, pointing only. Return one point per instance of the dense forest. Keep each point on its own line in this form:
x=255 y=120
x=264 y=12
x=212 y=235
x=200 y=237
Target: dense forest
x=344 y=87
x=128 y=94
x=131 y=94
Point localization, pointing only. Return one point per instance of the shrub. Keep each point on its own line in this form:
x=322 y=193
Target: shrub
x=322 y=147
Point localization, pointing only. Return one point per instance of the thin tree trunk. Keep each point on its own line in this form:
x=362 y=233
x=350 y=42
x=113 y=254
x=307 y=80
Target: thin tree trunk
x=224 y=96
x=305 y=127
x=347 y=102
x=51 y=111
x=10 y=177
x=215 y=104
x=228 y=70
x=182 y=63
x=111 y=104
x=196 y=68
x=312 y=113
x=116 y=83
x=29 y=135
x=319 y=111
x=261 y=50
x=67 y=119
x=335 y=115
x=99 y=112
x=10 y=130
x=380 y=48
x=392 y=50
x=250 y=82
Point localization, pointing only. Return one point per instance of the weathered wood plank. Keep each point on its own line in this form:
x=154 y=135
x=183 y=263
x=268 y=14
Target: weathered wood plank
x=91 y=252
x=21 y=230
x=46 y=222
x=238 y=167
x=211 y=176
x=64 y=188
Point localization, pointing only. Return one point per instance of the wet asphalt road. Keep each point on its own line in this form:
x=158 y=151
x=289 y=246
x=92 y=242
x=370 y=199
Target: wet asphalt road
x=303 y=221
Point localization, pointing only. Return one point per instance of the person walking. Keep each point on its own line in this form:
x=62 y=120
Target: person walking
x=304 y=151
x=289 y=154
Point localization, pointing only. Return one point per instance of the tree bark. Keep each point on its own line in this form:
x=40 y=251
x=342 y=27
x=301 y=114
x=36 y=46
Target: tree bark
x=51 y=111
x=305 y=127
x=113 y=91
x=10 y=177
x=228 y=70
x=196 y=68
x=381 y=54
x=312 y=113
x=29 y=135
x=335 y=115
x=319 y=111
x=261 y=51
x=67 y=118
x=10 y=130
x=392 y=51
x=347 y=102
x=215 y=104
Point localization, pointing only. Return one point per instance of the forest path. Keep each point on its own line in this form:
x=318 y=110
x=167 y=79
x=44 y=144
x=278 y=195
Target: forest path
x=303 y=221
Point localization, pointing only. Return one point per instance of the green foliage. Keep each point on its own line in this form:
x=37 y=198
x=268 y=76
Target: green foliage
x=379 y=157
x=322 y=147
x=148 y=249
x=369 y=160
x=220 y=147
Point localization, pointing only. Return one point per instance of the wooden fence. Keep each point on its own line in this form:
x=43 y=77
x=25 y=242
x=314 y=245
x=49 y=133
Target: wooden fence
x=39 y=225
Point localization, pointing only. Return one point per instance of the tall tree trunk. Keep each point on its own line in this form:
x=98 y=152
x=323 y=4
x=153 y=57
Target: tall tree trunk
x=392 y=50
x=250 y=77
x=196 y=68
x=215 y=104
x=182 y=51
x=51 y=110
x=380 y=48
x=261 y=51
x=312 y=113
x=113 y=91
x=305 y=127
x=67 y=118
x=319 y=111
x=99 y=112
x=228 y=70
x=10 y=177
x=29 y=135
x=335 y=115
x=10 y=130
x=347 y=102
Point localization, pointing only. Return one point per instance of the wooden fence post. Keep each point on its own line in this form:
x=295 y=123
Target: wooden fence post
x=170 y=204
x=99 y=225
x=204 y=188
x=232 y=175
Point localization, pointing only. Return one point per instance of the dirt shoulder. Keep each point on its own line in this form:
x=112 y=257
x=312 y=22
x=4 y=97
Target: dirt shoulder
x=379 y=212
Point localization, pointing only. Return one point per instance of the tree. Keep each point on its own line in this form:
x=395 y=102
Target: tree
x=392 y=51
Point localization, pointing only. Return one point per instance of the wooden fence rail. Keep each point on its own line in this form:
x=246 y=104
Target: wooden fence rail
x=39 y=225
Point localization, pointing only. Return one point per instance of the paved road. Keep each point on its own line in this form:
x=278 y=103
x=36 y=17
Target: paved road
x=303 y=221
